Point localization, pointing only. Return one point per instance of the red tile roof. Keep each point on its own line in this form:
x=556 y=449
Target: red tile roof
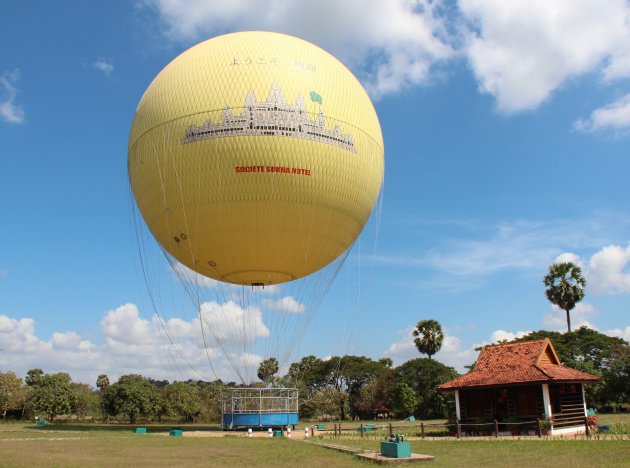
x=518 y=363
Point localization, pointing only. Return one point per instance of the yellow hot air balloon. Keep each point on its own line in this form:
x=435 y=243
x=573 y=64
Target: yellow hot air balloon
x=255 y=158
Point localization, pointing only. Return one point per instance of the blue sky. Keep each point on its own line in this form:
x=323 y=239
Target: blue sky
x=507 y=138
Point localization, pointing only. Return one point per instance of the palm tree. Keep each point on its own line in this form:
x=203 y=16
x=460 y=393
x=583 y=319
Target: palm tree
x=565 y=287
x=267 y=370
x=102 y=382
x=428 y=337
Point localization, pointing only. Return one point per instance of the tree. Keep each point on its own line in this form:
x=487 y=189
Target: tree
x=405 y=399
x=366 y=401
x=376 y=395
x=85 y=401
x=267 y=369
x=53 y=394
x=565 y=287
x=34 y=377
x=23 y=400
x=159 y=384
x=327 y=399
x=10 y=388
x=617 y=376
x=210 y=394
x=308 y=376
x=581 y=346
x=424 y=375
x=428 y=337
x=102 y=382
x=589 y=351
x=347 y=375
x=133 y=396
x=184 y=400
x=304 y=369
x=386 y=362
x=163 y=406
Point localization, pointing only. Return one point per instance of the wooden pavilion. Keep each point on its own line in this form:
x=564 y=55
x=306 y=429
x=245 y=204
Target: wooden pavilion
x=519 y=382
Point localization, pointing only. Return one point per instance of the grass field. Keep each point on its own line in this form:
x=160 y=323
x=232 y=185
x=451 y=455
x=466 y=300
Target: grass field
x=22 y=445
x=95 y=445
x=614 y=419
x=518 y=453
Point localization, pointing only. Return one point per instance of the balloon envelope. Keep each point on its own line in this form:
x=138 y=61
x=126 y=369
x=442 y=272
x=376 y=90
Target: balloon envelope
x=255 y=158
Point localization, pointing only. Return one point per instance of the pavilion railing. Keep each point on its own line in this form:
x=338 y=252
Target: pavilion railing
x=533 y=427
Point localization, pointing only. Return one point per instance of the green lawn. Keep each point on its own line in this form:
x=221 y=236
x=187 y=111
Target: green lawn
x=60 y=445
x=97 y=445
x=518 y=453
x=618 y=422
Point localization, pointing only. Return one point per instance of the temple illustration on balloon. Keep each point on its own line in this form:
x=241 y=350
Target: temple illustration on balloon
x=273 y=117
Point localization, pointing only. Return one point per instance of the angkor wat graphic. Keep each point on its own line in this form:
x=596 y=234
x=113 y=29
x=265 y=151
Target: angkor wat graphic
x=269 y=118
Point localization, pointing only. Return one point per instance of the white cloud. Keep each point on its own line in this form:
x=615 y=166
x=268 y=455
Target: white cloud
x=249 y=362
x=186 y=275
x=229 y=323
x=70 y=341
x=465 y=260
x=511 y=245
x=105 y=65
x=621 y=333
x=390 y=44
x=615 y=117
x=619 y=66
x=178 y=328
x=401 y=348
x=608 y=270
x=226 y=347
x=404 y=347
x=162 y=349
x=16 y=335
x=568 y=257
x=125 y=326
x=223 y=290
x=486 y=248
x=9 y=111
x=453 y=352
x=520 y=51
x=500 y=335
x=285 y=304
x=23 y=350
x=523 y=50
x=581 y=315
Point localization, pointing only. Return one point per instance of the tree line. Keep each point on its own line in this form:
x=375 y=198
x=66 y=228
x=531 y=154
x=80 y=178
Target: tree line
x=605 y=356
x=339 y=388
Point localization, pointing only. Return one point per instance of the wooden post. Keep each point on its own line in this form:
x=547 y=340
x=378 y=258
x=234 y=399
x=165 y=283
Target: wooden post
x=496 y=428
x=459 y=429
x=362 y=430
x=588 y=429
x=422 y=430
x=538 y=427
x=391 y=432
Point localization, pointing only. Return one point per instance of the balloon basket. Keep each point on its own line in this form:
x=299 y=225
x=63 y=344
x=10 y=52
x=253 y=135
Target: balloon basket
x=259 y=407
